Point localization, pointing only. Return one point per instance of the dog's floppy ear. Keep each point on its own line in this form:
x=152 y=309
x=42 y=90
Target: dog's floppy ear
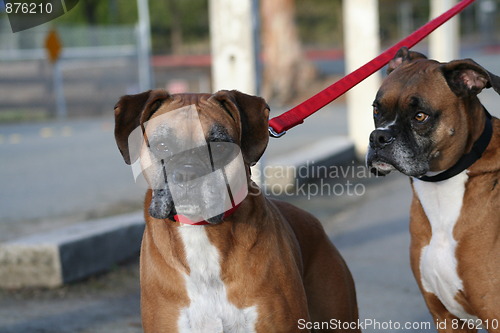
x=402 y=56
x=130 y=112
x=253 y=113
x=466 y=77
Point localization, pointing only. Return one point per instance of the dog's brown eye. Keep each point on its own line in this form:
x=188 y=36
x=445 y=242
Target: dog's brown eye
x=376 y=112
x=421 y=117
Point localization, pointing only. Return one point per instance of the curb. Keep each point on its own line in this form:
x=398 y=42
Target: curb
x=53 y=258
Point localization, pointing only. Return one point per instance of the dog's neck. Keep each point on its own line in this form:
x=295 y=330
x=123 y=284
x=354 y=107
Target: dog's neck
x=476 y=120
x=473 y=153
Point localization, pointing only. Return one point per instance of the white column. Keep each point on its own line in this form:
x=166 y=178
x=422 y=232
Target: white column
x=233 y=49
x=361 y=44
x=232 y=45
x=144 y=46
x=444 y=41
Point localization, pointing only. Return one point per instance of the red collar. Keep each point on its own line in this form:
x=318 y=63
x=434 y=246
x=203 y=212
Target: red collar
x=186 y=220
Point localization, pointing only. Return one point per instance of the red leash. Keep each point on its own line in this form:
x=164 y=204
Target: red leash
x=280 y=124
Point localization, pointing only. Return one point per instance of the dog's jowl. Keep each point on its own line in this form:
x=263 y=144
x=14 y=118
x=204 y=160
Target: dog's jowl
x=431 y=126
x=218 y=256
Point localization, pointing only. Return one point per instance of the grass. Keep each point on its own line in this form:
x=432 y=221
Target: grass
x=23 y=115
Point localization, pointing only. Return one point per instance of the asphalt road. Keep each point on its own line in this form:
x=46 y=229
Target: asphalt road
x=57 y=172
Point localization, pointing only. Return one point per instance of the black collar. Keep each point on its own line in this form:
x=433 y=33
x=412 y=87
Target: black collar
x=468 y=159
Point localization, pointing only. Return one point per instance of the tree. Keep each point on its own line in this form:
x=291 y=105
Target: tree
x=286 y=71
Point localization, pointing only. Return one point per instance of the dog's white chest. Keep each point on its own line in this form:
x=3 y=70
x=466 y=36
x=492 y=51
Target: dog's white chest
x=442 y=203
x=210 y=310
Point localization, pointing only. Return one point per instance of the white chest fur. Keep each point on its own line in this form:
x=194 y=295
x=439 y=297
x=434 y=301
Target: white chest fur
x=442 y=203
x=210 y=310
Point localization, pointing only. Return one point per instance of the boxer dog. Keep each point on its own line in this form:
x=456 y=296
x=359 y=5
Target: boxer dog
x=431 y=126
x=218 y=256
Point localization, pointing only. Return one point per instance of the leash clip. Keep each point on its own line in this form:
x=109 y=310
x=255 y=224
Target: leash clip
x=274 y=134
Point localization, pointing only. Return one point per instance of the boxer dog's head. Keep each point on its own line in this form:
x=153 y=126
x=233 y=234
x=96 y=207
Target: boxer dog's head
x=424 y=114
x=194 y=150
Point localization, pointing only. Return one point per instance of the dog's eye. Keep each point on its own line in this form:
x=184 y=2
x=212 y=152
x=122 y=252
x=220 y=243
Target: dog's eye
x=376 y=111
x=223 y=153
x=219 y=147
x=162 y=147
x=421 y=117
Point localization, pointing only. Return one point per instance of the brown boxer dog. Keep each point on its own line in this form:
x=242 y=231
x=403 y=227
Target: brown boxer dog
x=260 y=266
x=431 y=126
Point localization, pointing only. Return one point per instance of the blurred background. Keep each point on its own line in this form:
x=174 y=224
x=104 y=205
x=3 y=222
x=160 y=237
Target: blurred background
x=101 y=49
x=59 y=165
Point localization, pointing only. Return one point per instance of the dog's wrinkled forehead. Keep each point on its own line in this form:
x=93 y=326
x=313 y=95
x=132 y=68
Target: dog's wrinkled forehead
x=407 y=83
x=416 y=73
x=192 y=118
x=178 y=129
x=173 y=129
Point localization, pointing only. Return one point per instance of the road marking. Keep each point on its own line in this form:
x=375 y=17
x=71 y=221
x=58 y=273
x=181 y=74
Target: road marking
x=15 y=138
x=46 y=132
x=66 y=131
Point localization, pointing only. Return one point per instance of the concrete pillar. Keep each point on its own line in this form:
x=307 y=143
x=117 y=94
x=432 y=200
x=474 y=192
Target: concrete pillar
x=232 y=45
x=444 y=41
x=361 y=44
x=234 y=48
x=144 y=46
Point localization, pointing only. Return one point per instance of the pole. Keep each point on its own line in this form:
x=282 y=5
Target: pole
x=256 y=45
x=232 y=45
x=444 y=42
x=144 y=45
x=61 y=112
x=259 y=168
x=361 y=40
x=234 y=39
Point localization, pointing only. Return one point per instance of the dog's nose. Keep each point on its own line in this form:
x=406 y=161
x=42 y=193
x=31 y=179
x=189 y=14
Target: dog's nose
x=184 y=174
x=380 y=139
